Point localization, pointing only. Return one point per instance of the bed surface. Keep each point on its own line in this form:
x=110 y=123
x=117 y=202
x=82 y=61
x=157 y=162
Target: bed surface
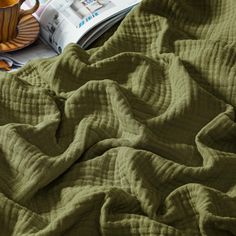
x=134 y=137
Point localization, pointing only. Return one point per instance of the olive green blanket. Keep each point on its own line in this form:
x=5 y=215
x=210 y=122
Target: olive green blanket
x=134 y=137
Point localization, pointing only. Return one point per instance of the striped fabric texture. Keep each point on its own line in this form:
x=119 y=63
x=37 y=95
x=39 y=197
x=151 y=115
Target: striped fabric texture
x=134 y=137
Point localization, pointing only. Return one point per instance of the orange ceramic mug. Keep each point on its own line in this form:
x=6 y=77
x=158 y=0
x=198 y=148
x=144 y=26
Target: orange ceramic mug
x=10 y=15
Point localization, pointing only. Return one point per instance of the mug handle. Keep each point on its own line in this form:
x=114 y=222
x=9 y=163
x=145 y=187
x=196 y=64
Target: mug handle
x=30 y=11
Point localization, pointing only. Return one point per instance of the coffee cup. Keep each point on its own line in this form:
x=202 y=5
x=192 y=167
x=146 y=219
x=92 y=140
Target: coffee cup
x=10 y=15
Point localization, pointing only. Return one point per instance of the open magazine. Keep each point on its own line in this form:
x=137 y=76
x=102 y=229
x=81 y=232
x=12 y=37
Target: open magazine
x=69 y=21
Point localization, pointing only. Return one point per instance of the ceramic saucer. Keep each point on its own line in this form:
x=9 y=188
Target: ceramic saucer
x=28 y=31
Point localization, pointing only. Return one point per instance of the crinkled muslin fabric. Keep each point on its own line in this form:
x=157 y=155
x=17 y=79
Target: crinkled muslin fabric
x=134 y=137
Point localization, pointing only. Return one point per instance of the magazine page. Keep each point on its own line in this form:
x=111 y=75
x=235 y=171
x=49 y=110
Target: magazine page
x=67 y=21
x=62 y=24
x=98 y=30
x=43 y=4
